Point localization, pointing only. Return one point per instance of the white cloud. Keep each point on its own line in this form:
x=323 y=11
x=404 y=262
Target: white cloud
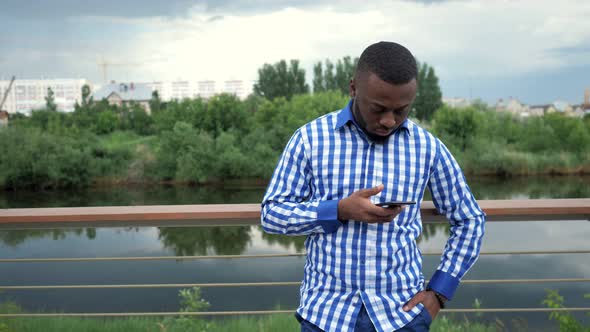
x=489 y=38
x=462 y=39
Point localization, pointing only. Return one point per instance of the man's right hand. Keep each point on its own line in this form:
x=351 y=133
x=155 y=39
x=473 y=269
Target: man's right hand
x=358 y=206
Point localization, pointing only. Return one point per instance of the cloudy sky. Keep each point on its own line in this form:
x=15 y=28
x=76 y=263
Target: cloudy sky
x=535 y=50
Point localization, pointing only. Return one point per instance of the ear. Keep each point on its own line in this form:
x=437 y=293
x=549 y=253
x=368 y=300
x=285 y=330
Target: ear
x=352 y=88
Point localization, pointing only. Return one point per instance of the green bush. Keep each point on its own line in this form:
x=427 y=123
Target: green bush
x=198 y=140
x=567 y=322
x=32 y=158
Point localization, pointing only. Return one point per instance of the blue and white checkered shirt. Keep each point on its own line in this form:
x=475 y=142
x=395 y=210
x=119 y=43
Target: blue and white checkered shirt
x=352 y=261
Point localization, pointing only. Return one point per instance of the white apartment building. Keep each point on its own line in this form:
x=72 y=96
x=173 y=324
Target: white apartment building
x=28 y=95
x=206 y=89
x=242 y=89
x=178 y=90
x=160 y=87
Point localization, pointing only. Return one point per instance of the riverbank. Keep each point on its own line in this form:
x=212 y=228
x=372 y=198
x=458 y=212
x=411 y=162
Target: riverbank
x=225 y=139
x=243 y=191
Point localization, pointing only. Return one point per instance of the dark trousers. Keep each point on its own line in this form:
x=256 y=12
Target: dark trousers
x=363 y=323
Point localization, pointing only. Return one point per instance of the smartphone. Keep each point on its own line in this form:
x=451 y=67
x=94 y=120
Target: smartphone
x=391 y=205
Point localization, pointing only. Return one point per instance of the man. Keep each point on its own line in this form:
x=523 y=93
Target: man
x=364 y=270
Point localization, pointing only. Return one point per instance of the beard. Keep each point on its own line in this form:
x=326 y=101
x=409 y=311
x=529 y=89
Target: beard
x=356 y=112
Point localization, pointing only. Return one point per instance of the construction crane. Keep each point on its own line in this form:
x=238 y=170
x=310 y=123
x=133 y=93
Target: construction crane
x=6 y=93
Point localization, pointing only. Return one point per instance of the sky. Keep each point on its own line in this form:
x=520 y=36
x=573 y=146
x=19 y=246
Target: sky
x=535 y=50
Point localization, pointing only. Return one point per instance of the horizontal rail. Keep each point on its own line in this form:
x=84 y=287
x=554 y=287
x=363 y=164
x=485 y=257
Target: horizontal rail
x=180 y=258
x=274 y=283
x=249 y=214
x=266 y=312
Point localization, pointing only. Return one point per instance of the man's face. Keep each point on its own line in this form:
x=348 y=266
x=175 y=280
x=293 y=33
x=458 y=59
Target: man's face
x=380 y=107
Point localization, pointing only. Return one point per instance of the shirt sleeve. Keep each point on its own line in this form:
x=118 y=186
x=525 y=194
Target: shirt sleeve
x=453 y=199
x=287 y=207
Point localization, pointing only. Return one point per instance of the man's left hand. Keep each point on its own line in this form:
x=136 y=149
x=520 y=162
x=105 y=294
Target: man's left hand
x=428 y=299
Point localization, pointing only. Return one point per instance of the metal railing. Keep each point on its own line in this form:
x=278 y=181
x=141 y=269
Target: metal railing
x=249 y=214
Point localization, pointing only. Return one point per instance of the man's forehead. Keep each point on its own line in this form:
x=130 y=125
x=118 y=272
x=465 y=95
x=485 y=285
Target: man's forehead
x=377 y=89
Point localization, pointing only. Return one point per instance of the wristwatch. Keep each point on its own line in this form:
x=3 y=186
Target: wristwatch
x=439 y=297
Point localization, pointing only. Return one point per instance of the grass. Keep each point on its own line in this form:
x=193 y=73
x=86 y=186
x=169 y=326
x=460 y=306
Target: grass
x=75 y=324
x=125 y=139
x=191 y=301
x=271 y=323
x=128 y=155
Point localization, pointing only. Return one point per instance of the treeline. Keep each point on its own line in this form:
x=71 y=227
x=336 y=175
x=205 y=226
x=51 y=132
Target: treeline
x=487 y=142
x=189 y=141
x=225 y=138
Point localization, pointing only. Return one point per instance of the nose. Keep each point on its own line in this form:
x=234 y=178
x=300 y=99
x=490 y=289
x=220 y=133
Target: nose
x=387 y=120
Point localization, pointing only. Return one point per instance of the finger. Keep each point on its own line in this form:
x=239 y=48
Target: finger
x=418 y=298
x=378 y=218
x=387 y=212
x=370 y=191
x=395 y=210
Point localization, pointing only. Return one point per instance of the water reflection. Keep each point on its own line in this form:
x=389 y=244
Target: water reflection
x=482 y=187
x=287 y=242
x=205 y=240
x=125 y=196
x=187 y=241
x=16 y=237
x=530 y=187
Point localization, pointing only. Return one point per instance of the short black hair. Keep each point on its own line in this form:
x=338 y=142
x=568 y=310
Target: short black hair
x=391 y=62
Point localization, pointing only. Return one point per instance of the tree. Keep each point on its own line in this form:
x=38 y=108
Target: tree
x=329 y=79
x=107 y=122
x=318 y=78
x=155 y=102
x=458 y=128
x=140 y=121
x=50 y=101
x=281 y=80
x=86 y=99
x=429 y=96
x=224 y=111
x=191 y=111
x=345 y=69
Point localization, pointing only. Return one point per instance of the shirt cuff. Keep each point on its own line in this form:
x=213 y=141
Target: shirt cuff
x=444 y=284
x=328 y=216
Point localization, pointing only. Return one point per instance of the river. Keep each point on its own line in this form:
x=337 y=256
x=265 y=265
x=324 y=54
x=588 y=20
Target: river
x=248 y=240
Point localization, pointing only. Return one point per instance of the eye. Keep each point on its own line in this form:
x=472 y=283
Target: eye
x=402 y=110
x=377 y=109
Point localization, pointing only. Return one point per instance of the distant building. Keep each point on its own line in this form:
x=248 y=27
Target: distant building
x=513 y=106
x=538 y=110
x=160 y=87
x=181 y=90
x=28 y=95
x=4 y=118
x=206 y=89
x=239 y=88
x=578 y=111
x=563 y=107
x=457 y=102
x=587 y=98
x=125 y=93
